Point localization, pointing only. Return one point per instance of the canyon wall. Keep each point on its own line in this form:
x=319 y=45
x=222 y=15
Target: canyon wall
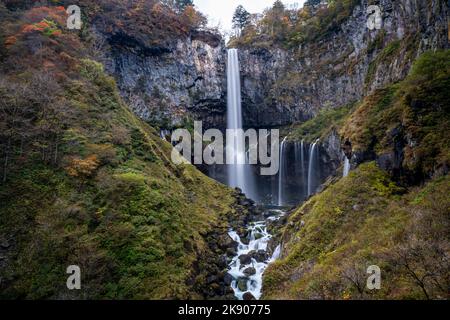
x=182 y=81
x=187 y=78
x=283 y=86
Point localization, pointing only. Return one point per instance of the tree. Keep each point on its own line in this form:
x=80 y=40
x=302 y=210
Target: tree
x=181 y=5
x=241 y=18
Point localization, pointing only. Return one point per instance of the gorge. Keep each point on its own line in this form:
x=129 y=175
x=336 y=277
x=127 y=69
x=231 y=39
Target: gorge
x=87 y=177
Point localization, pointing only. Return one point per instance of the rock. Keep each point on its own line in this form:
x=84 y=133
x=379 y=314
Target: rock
x=188 y=76
x=222 y=262
x=250 y=271
x=258 y=236
x=211 y=279
x=225 y=242
x=248 y=296
x=228 y=279
x=259 y=256
x=242 y=284
x=245 y=259
x=231 y=252
x=4 y=244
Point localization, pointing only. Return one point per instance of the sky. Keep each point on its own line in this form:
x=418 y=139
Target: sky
x=221 y=11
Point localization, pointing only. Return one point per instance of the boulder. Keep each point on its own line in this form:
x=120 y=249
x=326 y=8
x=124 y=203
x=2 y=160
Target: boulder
x=245 y=259
x=242 y=284
x=228 y=279
x=248 y=296
x=250 y=271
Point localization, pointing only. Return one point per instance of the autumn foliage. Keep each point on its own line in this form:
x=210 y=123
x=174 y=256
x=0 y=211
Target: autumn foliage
x=83 y=168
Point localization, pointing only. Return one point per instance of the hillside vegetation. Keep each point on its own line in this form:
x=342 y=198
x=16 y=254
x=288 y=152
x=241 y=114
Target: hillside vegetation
x=368 y=218
x=84 y=182
x=364 y=220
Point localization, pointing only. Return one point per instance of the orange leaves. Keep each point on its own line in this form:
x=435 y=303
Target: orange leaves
x=47 y=27
x=29 y=28
x=10 y=41
x=83 y=168
x=56 y=14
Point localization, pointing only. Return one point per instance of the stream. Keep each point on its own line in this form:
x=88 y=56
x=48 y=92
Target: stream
x=252 y=258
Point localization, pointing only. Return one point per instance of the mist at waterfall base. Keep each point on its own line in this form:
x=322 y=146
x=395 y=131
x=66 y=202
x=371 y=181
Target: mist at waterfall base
x=299 y=174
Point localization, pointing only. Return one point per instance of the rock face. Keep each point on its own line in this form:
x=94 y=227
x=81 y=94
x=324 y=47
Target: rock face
x=184 y=80
x=187 y=78
x=281 y=87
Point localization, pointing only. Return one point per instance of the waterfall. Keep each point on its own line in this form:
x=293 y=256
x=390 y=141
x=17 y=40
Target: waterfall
x=346 y=166
x=239 y=174
x=282 y=172
x=311 y=172
x=303 y=158
x=300 y=170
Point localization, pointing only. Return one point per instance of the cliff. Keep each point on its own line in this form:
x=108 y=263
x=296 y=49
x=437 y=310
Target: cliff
x=283 y=83
x=170 y=87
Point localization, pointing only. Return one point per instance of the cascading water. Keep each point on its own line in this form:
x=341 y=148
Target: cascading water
x=346 y=167
x=303 y=158
x=281 y=173
x=312 y=168
x=252 y=258
x=300 y=165
x=239 y=174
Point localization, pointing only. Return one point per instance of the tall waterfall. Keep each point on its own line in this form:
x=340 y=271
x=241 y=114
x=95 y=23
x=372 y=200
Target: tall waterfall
x=346 y=166
x=312 y=168
x=281 y=173
x=239 y=174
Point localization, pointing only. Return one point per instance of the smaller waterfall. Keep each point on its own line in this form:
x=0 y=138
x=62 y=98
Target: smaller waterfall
x=346 y=167
x=302 y=158
x=300 y=170
x=311 y=169
x=281 y=172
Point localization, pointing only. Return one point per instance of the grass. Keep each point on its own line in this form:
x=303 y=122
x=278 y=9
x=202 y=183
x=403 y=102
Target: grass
x=321 y=125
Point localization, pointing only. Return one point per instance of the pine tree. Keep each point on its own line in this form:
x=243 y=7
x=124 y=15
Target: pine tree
x=241 y=18
x=180 y=5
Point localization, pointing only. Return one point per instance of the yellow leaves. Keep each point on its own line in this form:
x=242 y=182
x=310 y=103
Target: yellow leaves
x=83 y=168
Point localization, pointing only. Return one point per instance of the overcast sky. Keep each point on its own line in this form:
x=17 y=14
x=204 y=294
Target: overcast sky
x=221 y=11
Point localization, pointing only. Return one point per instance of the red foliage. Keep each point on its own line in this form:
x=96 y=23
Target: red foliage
x=10 y=41
x=56 y=14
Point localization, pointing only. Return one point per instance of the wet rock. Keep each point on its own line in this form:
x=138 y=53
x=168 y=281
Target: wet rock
x=259 y=256
x=225 y=242
x=242 y=284
x=248 y=296
x=258 y=236
x=231 y=252
x=250 y=271
x=245 y=259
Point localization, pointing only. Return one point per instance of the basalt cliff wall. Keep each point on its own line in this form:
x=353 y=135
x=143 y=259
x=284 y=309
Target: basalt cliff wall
x=282 y=86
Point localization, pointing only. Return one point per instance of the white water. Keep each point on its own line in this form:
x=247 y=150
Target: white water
x=300 y=165
x=312 y=167
x=346 y=167
x=303 y=166
x=281 y=173
x=239 y=174
x=236 y=269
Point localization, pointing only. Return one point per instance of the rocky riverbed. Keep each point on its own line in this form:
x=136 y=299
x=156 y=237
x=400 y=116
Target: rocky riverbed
x=254 y=253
